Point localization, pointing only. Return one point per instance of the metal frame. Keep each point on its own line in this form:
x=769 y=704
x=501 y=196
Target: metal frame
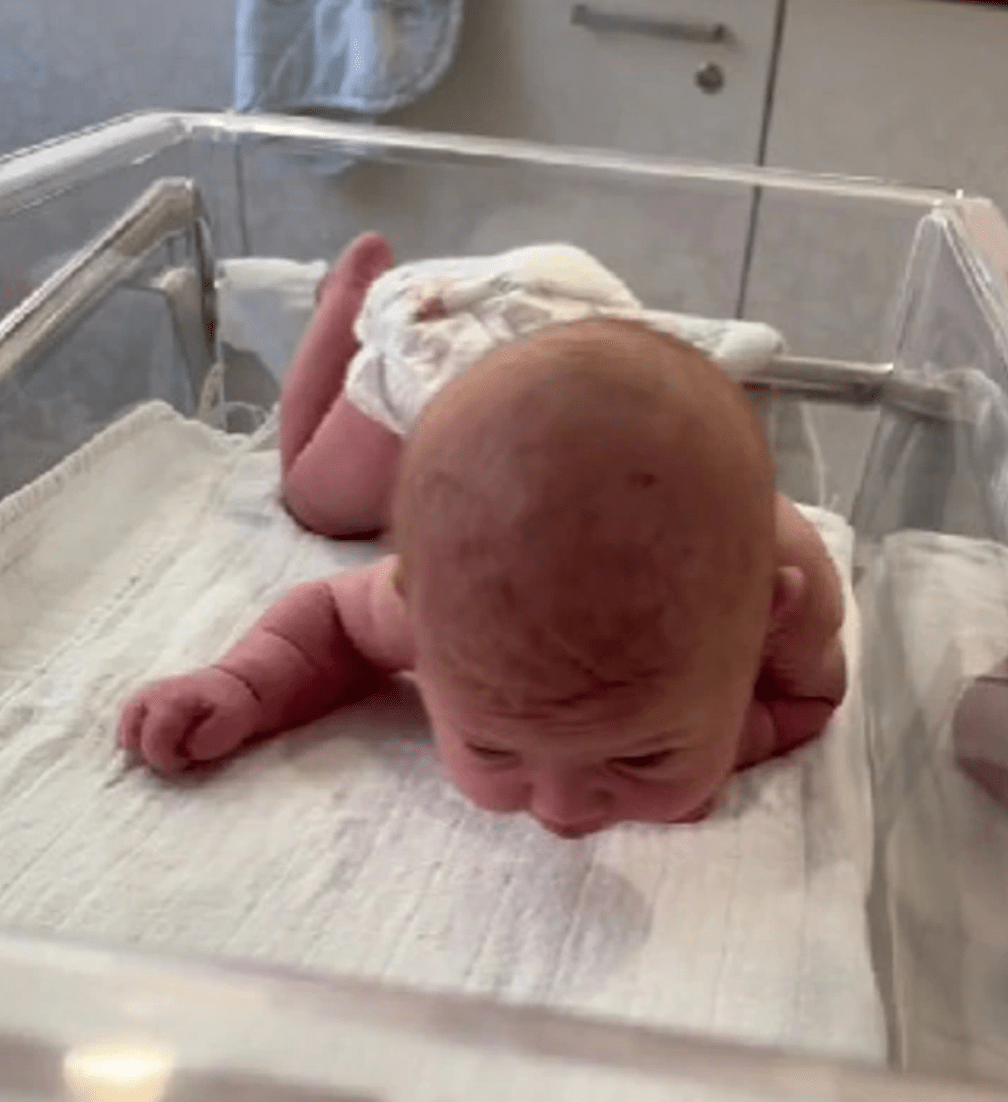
x=76 y=289
x=174 y=205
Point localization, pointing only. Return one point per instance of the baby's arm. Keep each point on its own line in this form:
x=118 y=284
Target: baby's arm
x=803 y=677
x=321 y=645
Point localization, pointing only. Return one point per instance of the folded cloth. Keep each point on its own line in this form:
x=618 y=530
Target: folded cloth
x=360 y=56
x=342 y=847
x=264 y=306
x=935 y=618
x=425 y=323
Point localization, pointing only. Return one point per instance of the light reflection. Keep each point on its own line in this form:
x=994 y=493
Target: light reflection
x=118 y=1071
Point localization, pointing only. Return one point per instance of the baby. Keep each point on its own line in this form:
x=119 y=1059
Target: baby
x=603 y=602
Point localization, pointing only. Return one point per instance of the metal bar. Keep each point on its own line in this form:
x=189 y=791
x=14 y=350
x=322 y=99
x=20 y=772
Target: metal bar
x=809 y=377
x=30 y=176
x=76 y=289
x=678 y=30
x=374 y=142
x=856 y=384
x=174 y=205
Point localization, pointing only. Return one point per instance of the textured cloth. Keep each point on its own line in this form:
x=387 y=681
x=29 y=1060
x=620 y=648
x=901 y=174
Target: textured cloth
x=360 y=56
x=425 y=323
x=936 y=616
x=342 y=847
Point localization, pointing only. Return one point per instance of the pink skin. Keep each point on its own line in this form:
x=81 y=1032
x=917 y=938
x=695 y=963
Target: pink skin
x=577 y=773
x=980 y=731
x=338 y=465
x=329 y=641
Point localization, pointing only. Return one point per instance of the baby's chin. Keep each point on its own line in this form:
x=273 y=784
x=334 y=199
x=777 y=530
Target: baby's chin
x=696 y=812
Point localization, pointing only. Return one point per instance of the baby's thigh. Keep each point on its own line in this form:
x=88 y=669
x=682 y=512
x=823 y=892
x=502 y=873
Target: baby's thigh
x=341 y=483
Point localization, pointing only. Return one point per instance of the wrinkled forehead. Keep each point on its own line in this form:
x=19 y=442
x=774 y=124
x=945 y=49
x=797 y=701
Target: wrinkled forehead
x=605 y=723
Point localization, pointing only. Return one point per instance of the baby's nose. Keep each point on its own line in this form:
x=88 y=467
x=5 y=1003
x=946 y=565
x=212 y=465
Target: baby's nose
x=568 y=802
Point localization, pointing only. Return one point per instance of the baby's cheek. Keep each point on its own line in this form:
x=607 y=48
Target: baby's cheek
x=655 y=802
x=671 y=801
x=491 y=790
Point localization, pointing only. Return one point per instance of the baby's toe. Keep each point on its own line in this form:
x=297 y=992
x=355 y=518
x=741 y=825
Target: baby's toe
x=361 y=263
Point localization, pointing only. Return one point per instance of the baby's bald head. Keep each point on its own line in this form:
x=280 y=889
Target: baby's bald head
x=587 y=512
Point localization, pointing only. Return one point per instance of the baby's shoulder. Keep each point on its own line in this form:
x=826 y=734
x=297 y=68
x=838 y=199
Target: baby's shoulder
x=802 y=556
x=374 y=614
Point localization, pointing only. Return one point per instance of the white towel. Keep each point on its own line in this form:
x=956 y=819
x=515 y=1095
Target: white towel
x=341 y=847
x=265 y=304
x=936 y=616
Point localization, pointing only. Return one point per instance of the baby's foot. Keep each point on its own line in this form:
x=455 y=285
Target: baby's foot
x=355 y=269
x=317 y=374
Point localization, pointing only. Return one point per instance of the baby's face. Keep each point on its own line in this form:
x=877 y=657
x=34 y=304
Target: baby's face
x=578 y=771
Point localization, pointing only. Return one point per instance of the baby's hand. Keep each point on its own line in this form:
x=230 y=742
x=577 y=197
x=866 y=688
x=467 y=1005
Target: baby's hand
x=757 y=743
x=197 y=717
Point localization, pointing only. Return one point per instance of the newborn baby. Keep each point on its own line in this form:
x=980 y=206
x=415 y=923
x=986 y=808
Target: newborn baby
x=605 y=606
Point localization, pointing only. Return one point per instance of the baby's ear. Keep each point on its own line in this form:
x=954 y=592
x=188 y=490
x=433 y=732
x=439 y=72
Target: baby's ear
x=788 y=589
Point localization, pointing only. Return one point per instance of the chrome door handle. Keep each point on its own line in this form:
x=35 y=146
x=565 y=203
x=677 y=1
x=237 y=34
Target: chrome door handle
x=680 y=30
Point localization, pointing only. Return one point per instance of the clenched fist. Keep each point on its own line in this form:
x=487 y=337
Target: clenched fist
x=197 y=717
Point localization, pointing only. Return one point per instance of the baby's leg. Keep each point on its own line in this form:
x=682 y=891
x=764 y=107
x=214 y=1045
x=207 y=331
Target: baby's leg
x=338 y=465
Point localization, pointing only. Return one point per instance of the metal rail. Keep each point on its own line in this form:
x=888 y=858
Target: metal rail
x=174 y=205
x=851 y=383
x=168 y=207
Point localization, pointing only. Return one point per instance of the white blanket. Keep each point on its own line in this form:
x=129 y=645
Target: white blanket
x=936 y=616
x=341 y=847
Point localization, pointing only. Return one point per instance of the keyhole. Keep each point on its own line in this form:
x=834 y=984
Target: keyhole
x=710 y=78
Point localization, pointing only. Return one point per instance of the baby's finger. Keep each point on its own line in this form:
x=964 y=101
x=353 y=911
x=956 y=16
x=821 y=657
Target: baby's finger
x=163 y=739
x=131 y=723
x=215 y=737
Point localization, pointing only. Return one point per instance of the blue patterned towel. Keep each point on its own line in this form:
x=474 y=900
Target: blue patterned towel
x=360 y=56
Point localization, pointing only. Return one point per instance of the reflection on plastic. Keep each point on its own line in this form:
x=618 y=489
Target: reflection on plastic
x=118 y=1071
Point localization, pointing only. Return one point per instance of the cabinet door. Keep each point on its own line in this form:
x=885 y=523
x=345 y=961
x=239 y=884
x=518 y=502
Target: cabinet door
x=908 y=90
x=620 y=74
x=680 y=77
x=902 y=89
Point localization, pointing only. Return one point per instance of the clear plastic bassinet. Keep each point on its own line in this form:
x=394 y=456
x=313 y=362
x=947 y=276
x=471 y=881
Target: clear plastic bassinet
x=889 y=409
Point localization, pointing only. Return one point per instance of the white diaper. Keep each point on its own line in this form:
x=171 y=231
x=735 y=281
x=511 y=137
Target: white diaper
x=423 y=324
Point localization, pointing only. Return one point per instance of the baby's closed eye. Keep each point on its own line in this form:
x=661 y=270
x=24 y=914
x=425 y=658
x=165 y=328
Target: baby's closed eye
x=492 y=755
x=641 y=763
